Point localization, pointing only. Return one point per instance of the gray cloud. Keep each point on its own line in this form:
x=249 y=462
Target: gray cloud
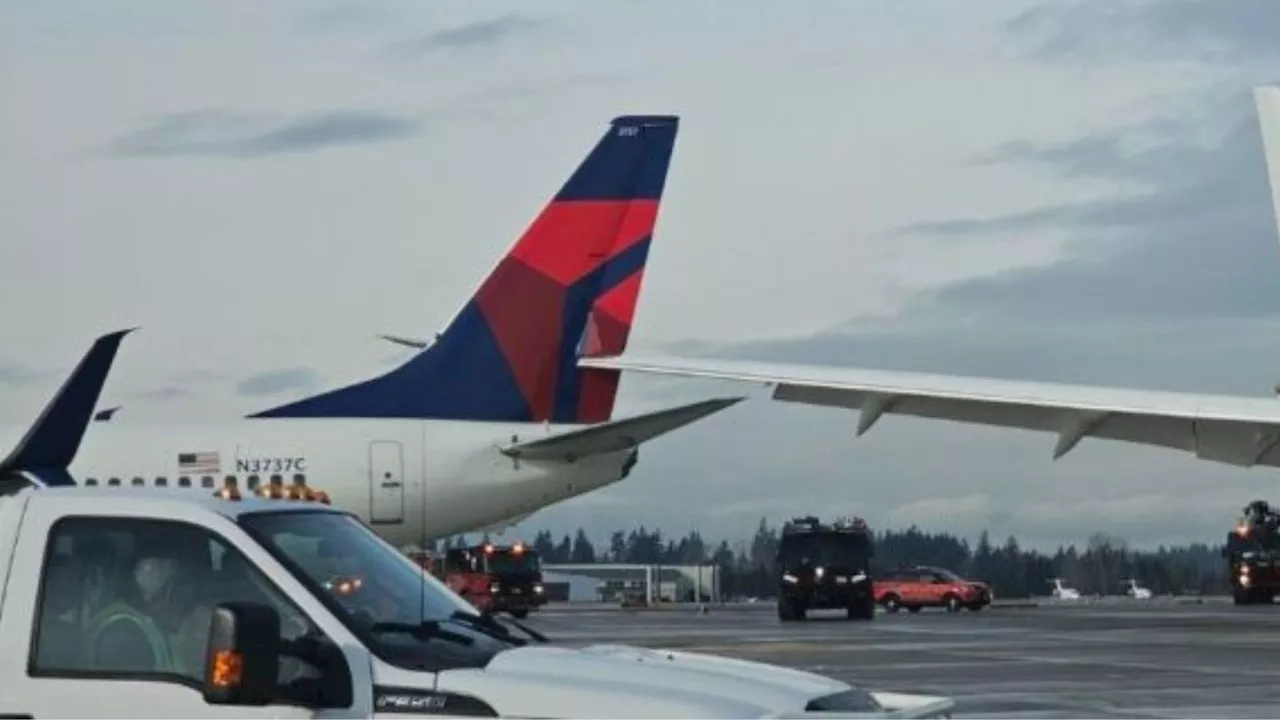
x=356 y=17
x=195 y=377
x=13 y=373
x=1197 y=240
x=474 y=34
x=167 y=393
x=272 y=382
x=223 y=133
x=1212 y=30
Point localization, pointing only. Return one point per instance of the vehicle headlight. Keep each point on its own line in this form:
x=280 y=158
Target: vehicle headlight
x=494 y=587
x=537 y=589
x=818 y=572
x=788 y=577
x=860 y=577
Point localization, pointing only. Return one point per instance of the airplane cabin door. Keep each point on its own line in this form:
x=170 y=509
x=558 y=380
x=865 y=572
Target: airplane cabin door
x=386 y=482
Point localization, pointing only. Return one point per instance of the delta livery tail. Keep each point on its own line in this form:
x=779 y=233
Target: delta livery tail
x=486 y=425
x=567 y=289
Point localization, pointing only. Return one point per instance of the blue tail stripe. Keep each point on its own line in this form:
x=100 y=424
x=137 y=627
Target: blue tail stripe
x=577 y=306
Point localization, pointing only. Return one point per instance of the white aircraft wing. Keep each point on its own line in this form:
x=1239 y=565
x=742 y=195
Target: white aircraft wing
x=1241 y=431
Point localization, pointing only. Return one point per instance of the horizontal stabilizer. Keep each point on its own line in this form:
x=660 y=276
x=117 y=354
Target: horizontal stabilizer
x=53 y=440
x=407 y=342
x=616 y=435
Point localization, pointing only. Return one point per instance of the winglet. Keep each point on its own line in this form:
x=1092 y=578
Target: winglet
x=616 y=435
x=53 y=440
x=1267 y=99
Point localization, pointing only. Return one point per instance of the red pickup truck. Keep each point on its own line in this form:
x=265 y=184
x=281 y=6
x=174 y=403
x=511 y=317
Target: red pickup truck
x=922 y=586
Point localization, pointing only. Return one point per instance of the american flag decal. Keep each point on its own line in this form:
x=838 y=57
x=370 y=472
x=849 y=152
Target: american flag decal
x=199 y=462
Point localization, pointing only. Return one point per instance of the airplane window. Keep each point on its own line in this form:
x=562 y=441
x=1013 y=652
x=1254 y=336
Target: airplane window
x=91 y=481
x=277 y=480
x=162 y=482
x=252 y=482
x=184 y=481
x=206 y=481
x=300 y=479
x=139 y=482
x=229 y=481
x=114 y=482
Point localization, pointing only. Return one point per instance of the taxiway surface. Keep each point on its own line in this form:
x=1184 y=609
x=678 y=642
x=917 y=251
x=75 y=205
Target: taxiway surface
x=1126 y=658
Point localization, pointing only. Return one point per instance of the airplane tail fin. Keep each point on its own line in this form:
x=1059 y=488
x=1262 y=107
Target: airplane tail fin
x=51 y=443
x=567 y=288
x=1267 y=99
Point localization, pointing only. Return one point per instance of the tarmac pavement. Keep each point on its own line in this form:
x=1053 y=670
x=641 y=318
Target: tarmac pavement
x=1116 y=657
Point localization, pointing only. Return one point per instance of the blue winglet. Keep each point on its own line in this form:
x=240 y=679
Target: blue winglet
x=53 y=440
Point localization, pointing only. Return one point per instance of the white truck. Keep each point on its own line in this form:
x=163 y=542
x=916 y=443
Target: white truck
x=153 y=603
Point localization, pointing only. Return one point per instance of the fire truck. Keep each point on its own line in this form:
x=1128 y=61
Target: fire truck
x=1253 y=555
x=496 y=578
x=427 y=561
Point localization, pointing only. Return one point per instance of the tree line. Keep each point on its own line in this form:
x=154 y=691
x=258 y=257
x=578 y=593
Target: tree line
x=748 y=567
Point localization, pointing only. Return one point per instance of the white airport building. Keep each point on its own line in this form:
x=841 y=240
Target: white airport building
x=619 y=582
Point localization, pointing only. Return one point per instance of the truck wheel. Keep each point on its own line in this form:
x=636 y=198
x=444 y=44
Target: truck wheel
x=862 y=610
x=892 y=603
x=790 y=609
x=786 y=610
x=952 y=603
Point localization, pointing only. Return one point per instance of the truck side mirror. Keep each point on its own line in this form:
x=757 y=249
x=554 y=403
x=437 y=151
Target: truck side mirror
x=242 y=662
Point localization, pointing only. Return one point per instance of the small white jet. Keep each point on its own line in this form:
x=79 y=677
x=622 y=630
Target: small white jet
x=491 y=422
x=1062 y=592
x=1240 y=431
x=1136 y=591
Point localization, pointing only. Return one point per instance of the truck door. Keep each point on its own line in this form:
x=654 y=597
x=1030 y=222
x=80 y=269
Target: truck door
x=386 y=482
x=58 y=659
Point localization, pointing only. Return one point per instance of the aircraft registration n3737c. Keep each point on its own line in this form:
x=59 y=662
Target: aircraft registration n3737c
x=492 y=422
x=1240 y=431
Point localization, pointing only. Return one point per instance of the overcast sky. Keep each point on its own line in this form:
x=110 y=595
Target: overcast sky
x=1066 y=192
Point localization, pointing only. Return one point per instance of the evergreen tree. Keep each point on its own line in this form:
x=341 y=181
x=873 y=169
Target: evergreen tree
x=583 y=551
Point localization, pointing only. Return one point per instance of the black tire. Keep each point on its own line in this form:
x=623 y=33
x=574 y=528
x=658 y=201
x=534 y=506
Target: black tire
x=862 y=610
x=952 y=602
x=520 y=613
x=789 y=610
x=892 y=603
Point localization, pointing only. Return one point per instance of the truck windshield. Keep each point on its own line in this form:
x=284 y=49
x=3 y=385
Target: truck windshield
x=832 y=549
x=507 y=562
x=367 y=583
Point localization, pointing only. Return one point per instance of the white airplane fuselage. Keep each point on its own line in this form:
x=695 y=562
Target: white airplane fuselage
x=412 y=480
